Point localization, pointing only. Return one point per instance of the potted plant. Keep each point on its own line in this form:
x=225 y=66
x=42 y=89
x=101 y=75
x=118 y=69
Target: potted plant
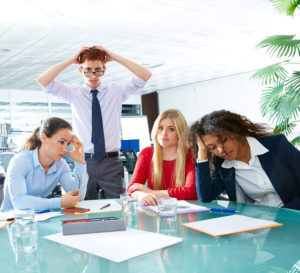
x=280 y=99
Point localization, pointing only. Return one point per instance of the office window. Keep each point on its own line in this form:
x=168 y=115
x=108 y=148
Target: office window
x=61 y=110
x=28 y=115
x=4 y=112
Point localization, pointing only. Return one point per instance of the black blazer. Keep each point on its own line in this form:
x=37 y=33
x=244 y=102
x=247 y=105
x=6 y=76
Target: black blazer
x=281 y=164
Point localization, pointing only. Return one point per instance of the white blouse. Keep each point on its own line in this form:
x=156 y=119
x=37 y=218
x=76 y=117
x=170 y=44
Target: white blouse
x=252 y=183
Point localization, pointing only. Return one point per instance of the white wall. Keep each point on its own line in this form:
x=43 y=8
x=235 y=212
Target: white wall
x=133 y=99
x=235 y=93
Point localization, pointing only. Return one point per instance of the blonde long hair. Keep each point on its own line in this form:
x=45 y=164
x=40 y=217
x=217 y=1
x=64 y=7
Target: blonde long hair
x=157 y=160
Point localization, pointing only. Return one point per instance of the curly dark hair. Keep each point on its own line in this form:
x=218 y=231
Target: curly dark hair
x=225 y=122
x=92 y=54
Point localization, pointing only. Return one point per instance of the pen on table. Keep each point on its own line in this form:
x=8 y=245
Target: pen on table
x=42 y=211
x=224 y=210
x=8 y=220
x=105 y=206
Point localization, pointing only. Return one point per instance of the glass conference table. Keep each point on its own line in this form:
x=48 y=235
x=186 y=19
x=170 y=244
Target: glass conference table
x=267 y=250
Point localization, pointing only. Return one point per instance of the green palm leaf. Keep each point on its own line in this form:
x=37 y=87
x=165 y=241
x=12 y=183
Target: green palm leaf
x=271 y=74
x=296 y=141
x=270 y=100
x=294 y=81
x=285 y=127
x=282 y=45
x=280 y=105
x=285 y=6
x=289 y=104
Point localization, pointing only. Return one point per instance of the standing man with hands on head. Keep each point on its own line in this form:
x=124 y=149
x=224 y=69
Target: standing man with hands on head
x=96 y=113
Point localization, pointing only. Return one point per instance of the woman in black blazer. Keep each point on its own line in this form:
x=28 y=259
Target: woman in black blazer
x=242 y=158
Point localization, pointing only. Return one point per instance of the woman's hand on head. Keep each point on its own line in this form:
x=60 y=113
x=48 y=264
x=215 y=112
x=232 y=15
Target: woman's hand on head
x=70 y=199
x=202 y=149
x=77 y=154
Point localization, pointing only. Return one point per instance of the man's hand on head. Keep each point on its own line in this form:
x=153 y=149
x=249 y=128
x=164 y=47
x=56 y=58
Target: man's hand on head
x=75 y=58
x=109 y=55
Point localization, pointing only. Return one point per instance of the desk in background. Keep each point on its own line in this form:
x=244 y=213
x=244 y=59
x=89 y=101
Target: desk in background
x=267 y=250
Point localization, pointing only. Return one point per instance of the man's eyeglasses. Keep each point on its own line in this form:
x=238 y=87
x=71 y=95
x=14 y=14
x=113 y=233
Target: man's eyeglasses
x=97 y=73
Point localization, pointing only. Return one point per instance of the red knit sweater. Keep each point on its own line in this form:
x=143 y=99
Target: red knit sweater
x=143 y=172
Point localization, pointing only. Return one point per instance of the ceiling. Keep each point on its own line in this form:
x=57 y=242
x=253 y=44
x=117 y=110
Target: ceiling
x=180 y=41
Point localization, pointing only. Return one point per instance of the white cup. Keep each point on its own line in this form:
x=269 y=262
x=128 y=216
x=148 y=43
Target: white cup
x=24 y=230
x=129 y=204
x=167 y=210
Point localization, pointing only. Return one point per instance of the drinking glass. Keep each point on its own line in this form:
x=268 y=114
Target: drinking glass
x=24 y=230
x=167 y=210
x=128 y=203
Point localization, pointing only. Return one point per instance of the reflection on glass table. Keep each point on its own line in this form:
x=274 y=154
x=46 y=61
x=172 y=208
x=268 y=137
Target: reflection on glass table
x=266 y=250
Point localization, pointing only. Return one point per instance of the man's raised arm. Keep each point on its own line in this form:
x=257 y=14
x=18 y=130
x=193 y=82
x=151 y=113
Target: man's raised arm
x=48 y=76
x=135 y=68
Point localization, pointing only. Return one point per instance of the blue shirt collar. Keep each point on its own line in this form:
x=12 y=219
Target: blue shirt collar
x=35 y=156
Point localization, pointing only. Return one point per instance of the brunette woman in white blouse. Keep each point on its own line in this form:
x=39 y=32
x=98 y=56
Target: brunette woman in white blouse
x=244 y=160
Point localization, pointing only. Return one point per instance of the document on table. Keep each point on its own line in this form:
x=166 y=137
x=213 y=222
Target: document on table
x=37 y=217
x=230 y=224
x=47 y=215
x=116 y=246
x=182 y=207
x=6 y=215
x=96 y=205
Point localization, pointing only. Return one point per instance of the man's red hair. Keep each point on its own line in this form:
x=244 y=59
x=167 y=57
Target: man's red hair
x=92 y=54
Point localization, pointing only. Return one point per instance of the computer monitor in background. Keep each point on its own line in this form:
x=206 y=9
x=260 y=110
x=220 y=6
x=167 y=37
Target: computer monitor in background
x=130 y=144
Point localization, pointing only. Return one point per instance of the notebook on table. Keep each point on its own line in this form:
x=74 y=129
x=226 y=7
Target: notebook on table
x=230 y=224
x=182 y=207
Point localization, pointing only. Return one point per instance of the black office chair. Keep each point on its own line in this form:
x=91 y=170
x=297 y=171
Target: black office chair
x=131 y=158
x=56 y=192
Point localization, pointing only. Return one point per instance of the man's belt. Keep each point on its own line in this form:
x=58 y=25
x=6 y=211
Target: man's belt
x=107 y=155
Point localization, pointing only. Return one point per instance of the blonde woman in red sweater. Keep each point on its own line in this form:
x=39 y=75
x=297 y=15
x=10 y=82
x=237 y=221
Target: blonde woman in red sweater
x=168 y=167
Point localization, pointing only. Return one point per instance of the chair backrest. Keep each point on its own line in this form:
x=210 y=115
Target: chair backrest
x=131 y=158
x=5 y=158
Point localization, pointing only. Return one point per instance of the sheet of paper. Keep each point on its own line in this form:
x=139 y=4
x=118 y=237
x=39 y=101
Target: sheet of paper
x=47 y=215
x=230 y=224
x=37 y=217
x=7 y=214
x=96 y=205
x=182 y=207
x=116 y=246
